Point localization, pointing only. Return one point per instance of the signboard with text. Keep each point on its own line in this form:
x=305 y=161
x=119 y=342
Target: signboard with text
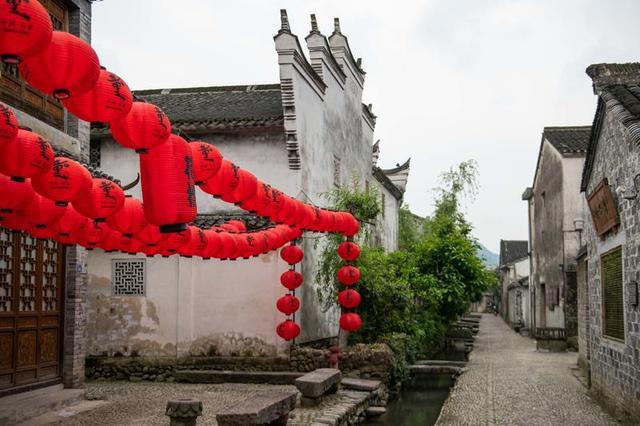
x=603 y=209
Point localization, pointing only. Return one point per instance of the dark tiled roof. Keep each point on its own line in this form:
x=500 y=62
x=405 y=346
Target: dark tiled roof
x=220 y=107
x=568 y=140
x=511 y=251
x=386 y=182
x=252 y=222
x=623 y=101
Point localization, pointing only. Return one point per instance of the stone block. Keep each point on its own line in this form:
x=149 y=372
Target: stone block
x=375 y=411
x=318 y=382
x=360 y=384
x=263 y=409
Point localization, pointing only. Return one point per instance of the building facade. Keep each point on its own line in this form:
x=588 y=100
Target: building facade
x=556 y=222
x=305 y=135
x=608 y=290
x=514 y=283
x=391 y=184
x=43 y=284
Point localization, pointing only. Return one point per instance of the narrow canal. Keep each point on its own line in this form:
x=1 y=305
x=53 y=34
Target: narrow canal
x=418 y=404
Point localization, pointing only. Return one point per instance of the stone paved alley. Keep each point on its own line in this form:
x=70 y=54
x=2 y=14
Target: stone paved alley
x=508 y=382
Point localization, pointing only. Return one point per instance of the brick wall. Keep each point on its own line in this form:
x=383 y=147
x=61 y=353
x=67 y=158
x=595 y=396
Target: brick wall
x=75 y=318
x=615 y=365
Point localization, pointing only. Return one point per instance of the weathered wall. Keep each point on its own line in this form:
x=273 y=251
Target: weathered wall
x=387 y=222
x=583 y=315
x=547 y=227
x=615 y=365
x=192 y=307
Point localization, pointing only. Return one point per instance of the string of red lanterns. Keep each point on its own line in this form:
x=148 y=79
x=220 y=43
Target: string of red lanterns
x=55 y=197
x=289 y=303
x=349 y=275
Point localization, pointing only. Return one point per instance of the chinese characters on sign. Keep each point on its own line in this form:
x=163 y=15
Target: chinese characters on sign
x=603 y=209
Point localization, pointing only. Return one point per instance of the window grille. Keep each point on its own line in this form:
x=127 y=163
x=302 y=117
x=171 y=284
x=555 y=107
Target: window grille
x=128 y=277
x=612 y=299
x=94 y=153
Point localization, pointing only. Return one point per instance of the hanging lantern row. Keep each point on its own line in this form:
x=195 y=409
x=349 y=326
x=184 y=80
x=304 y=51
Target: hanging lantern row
x=349 y=275
x=67 y=68
x=289 y=303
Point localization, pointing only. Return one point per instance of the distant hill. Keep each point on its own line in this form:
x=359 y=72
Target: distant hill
x=490 y=258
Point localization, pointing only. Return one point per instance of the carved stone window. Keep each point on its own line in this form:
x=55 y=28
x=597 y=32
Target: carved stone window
x=128 y=277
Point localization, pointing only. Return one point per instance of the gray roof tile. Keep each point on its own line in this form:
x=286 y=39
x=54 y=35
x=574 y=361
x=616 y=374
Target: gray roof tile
x=511 y=250
x=569 y=139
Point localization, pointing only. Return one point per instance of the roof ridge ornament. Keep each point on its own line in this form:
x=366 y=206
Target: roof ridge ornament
x=284 y=21
x=336 y=26
x=314 y=25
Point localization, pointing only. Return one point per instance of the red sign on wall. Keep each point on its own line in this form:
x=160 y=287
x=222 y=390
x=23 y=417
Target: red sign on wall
x=603 y=208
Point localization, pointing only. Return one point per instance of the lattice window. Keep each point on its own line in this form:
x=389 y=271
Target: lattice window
x=28 y=251
x=128 y=277
x=6 y=270
x=612 y=298
x=94 y=153
x=49 y=275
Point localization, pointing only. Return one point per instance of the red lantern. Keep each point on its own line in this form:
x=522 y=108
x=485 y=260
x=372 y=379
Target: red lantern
x=73 y=235
x=43 y=232
x=245 y=189
x=206 y=161
x=214 y=244
x=348 y=275
x=243 y=248
x=144 y=127
x=292 y=254
x=64 y=182
x=108 y=100
x=229 y=246
x=67 y=67
x=8 y=124
x=176 y=240
x=198 y=242
x=349 y=298
x=95 y=233
x=224 y=182
x=69 y=222
x=28 y=155
x=41 y=212
x=150 y=235
x=129 y=219
x=291 y=279
x=348 y=251
x=111 y=240
x=25 y=29
x=130 y=245
x=104 y=199
x=352 y=226
x=238 y=225
x=288 y=330
x=288 y=304
x=16 y=220
x=350 y=321
x=167 y=185
x=14 y=195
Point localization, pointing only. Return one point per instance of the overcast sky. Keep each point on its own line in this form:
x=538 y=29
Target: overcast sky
x=448 y=80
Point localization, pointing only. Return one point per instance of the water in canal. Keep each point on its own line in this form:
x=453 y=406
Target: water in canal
x=418 y=404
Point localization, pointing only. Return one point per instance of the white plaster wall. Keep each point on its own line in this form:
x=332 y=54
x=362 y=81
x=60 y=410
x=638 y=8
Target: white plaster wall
x=387 y=225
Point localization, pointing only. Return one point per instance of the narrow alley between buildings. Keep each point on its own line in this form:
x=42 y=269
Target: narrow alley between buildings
x=508 y=382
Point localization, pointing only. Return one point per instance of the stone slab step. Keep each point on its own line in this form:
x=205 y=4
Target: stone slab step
x=263 y=409
x=23 y=406
x=360 y=384
x=256 y=377
x=318 y=382
x=375 y=411
x=65 y=414
x=441 y=362
x=435 y=369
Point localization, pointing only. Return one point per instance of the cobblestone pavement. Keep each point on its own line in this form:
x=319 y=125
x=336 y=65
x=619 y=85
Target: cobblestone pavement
x=508 y=382
x=144 y=403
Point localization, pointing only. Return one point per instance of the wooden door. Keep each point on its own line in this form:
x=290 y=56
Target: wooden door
x=31 y=289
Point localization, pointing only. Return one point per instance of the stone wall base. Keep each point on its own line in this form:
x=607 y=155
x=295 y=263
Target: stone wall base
x=625 y=410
